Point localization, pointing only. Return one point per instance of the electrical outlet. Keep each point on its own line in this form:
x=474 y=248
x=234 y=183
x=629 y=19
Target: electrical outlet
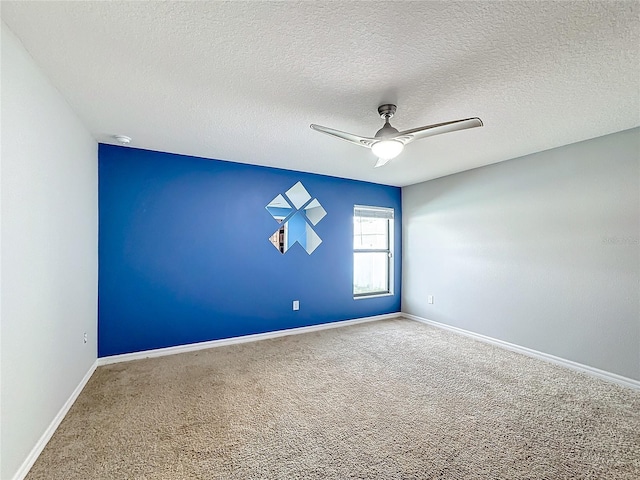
x=85 y=338
x=296 y=304
x=430 y=298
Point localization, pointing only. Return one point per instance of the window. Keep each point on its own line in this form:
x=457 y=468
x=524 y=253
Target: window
x=372 y=251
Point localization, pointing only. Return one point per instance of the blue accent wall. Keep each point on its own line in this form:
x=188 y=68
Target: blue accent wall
x=185 y=257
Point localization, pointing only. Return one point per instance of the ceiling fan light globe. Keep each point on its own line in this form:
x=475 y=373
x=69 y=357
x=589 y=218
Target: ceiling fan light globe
x=387 y=149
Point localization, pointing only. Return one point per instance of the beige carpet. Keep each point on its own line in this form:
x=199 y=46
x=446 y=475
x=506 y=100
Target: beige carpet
x=392 y=400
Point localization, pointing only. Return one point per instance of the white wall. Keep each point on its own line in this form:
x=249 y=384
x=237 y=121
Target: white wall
x=541 y=251
x=48 y=279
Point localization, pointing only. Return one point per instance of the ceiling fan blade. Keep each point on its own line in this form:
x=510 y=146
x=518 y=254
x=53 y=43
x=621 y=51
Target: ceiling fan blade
x=436 y=129
x=381 y=162
x=349 y=137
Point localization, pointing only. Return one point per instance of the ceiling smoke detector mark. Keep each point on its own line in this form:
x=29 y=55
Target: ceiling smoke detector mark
x=122 y=139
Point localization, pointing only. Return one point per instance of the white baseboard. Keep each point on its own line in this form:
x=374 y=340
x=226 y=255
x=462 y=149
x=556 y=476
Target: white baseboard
x=46 y=436
x=48 y=433
x=161 y=352
x=595 y=372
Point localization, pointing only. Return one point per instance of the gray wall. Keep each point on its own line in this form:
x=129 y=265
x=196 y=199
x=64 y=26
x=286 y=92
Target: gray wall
x=541 y=251
x=49 y=250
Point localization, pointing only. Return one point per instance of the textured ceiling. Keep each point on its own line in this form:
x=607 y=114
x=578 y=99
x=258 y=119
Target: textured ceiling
x=242 y=81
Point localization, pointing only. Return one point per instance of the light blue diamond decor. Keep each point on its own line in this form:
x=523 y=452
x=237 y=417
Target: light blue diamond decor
x=297 y=214
x=298 y=195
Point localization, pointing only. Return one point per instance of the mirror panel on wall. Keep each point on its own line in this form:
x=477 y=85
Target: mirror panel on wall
x=279 y=207
x=297 y=213
x=298 y=195
x=314 y=212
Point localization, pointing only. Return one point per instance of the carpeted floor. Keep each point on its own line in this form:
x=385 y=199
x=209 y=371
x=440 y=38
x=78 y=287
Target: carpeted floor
x=391 y=399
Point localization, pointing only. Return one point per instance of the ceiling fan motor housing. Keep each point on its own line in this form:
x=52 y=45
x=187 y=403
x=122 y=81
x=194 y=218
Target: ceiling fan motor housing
x=387 y=131
x=387 y=110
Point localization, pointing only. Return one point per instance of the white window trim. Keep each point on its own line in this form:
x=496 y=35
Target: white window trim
x=389 y=214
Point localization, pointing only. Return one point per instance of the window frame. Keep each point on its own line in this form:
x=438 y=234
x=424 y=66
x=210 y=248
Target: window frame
x=375 y=212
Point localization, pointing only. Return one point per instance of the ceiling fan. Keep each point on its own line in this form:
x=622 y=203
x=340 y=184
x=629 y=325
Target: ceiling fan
x=388 y=142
